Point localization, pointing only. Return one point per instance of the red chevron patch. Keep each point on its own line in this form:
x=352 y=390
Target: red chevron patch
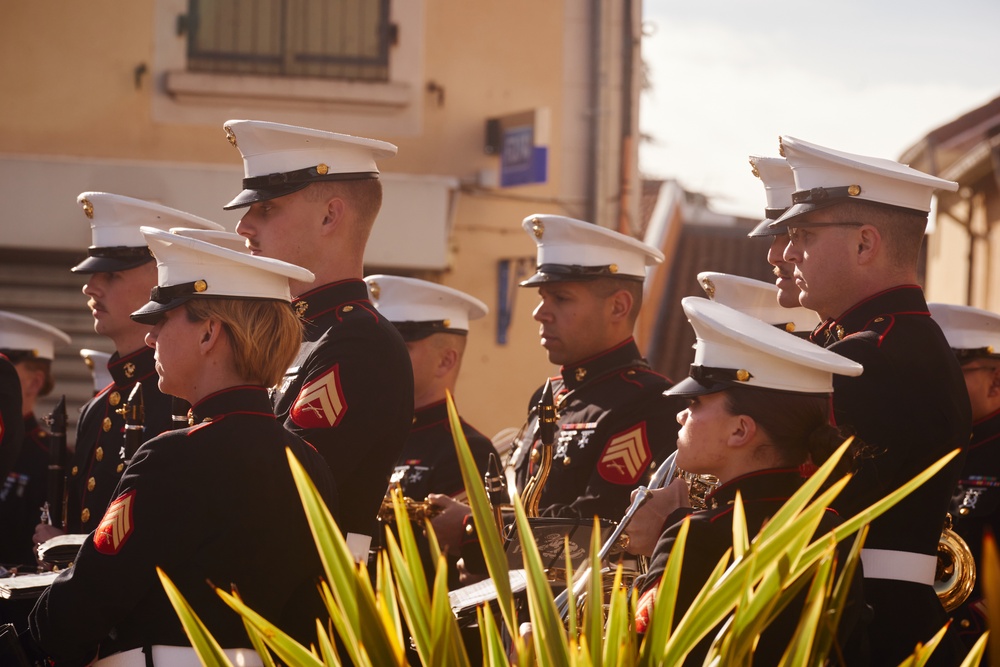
x=644 y=609
x=116 y=526
x=626 y=456
x=320 y=403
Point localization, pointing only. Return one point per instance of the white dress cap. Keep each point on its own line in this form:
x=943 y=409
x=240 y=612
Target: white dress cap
x=97 y=362
x=757 y=299
x=229 y=240
x=824 y=177
x=280 y=159
x=735 y=349
x=188 y=268
x=779 y=184
x=971 y=332
x=25 y=334
x=419 y=308
x=117 y=243
x=573 y=250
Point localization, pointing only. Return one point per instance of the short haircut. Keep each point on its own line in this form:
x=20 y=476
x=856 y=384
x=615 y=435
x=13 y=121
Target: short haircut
x=364 y=196
x=902 y=229
x=264 y=334
x=605 y=287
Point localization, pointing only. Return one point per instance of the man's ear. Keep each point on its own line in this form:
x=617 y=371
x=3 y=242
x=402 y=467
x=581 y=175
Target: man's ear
x=446 y=361
x=869 y=244
x=335 y=212
x=621 y=304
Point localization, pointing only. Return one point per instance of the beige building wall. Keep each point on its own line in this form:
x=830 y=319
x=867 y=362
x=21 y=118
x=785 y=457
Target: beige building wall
x=99 y=99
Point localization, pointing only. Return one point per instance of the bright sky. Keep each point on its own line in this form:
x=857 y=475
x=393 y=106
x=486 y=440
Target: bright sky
x=871 y=77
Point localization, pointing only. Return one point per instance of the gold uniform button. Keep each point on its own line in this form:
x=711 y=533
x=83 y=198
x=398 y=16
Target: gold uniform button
x=566 y=461
x=121 y=466
x=74 y=471
x=91 y=483
x=85 y=515
x=115 y=398
x=536 y=455
x=347 y=309
x=99 y=454
x=106 y=425
x=469 y=528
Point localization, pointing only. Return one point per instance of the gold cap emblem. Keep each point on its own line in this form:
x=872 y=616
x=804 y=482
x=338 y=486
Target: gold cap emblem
x=781 y=148
x=375 y=290
x=322 y=169
x=709 y=287
x=853 y=190
x=537 y=228
x=742 y=375
x=88 y=208
x=613 y=268
x=753 y=168
x=446 y=324
x=790 y=327
x=230 y=136
x=989 y=349
x=89 y=361
x=200 y=286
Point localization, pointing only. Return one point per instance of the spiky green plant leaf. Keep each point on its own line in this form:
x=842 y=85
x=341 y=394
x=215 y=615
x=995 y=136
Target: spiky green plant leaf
x=204 y=643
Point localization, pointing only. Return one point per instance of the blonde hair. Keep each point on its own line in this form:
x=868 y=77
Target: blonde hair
x=264 y=334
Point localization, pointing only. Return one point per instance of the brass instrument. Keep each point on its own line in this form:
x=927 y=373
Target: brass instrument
x=54 y=509
x=542 y=455
x=699 y=486
x=416 y=510
x=956 y=569
x=496 y=492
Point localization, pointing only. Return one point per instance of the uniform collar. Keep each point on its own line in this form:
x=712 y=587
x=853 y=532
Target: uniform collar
x=771 y=484
x=624 y=355
x=328 y=298
x=244 y=399
x=429 y=415
x=902 y=300
x=988 y=420
x=132 y=368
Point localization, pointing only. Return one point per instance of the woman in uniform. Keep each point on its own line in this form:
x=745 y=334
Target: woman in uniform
x=214 y=502
x=758 y=420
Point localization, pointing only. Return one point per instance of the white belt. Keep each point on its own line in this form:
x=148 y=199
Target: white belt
x=176 y=656
x=899 y=565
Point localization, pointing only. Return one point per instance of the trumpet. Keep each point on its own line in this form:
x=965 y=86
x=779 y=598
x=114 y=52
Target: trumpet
x=955 y=576
x=532 y=493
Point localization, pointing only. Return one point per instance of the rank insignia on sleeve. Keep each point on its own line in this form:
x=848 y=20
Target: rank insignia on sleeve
x=626 y=456
x=644 y=608
x=320 y=403
x=116 y=526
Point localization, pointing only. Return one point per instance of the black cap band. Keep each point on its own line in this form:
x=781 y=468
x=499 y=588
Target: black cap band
x=413 y=331
x=815 y=195
x=167 y=294
x=308 y=175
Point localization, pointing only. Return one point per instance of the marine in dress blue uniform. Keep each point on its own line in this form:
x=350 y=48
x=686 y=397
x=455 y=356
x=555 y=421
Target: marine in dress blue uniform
x=974 y=337
x=613 y=421
x=212 y=502
x=434 y=321
x=30 y=345
x=117 y=248
x=11 y=426
x=350 y=390
x=736 y=355
x=910 y=406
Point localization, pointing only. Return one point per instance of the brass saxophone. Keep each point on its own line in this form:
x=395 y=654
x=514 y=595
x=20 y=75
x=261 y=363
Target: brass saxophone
x=542 y=455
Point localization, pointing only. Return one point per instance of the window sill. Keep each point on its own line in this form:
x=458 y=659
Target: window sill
x=205 y=87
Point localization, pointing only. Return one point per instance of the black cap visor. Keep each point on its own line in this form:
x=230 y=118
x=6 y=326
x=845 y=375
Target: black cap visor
x=108 y=260
x=572 y=273
x=272 y=186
